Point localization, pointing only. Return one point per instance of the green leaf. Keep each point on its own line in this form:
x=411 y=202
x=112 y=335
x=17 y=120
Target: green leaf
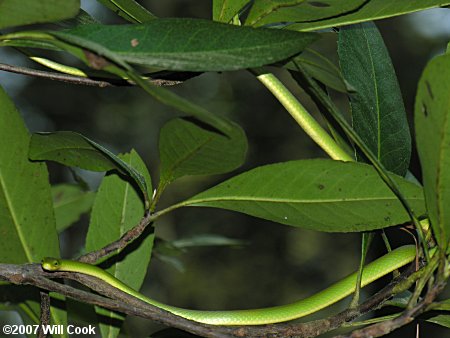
x=443 y=320
x=321 y=195
x=28 y=231
x=320 y=68
x=432 y=125
x=22 y=183
x=70 y=201
x=73 y=149
x=442 y=306
x=372 y=10
x=25 y=12
x=187 y=149
x=118 y=207
x=378 y=113
x=189 y=44
x=265 y=12
x=82 y=18
x=400 y=300
x=225 y=10
x=130 y=10
x=206 y=240
x=165 y=96
x=169 y=251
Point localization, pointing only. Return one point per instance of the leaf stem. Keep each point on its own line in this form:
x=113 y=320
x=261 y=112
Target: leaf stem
x=301 y=115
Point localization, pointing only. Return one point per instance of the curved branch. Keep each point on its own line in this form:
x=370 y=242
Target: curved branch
x=32 y=274
x=119 y=244
x=385 y=327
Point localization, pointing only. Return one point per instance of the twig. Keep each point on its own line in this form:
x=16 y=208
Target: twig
x=45 y=313
x=54 y=76
x=120 y=244
x=78 y=80
x=385 y=327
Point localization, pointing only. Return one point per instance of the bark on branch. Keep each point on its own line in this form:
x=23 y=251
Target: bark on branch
x=32 y=274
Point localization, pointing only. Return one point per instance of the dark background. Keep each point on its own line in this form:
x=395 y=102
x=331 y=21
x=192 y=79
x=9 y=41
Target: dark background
x=278 y=264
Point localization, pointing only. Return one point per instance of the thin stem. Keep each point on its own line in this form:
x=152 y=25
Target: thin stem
x=54 y=76
x=301 y=115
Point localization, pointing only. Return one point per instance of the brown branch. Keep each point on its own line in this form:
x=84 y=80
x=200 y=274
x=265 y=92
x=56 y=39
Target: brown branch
x=120 y=244
x=385 y=327
x=33 y=274
x=45 y=313
x=55 y=76
x=78 y=80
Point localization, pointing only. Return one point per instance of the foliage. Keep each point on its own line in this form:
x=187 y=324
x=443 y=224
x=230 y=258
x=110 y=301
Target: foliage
x=339 y=195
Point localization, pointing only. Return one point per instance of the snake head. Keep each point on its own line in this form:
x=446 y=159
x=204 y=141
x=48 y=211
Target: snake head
x=51 y=264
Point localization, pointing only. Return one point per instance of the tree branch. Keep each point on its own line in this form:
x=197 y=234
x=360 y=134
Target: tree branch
x=45 y=313
x=32 y=274
x=385 y=327
x=78 y=80
x=55 y=76
x=120 y=244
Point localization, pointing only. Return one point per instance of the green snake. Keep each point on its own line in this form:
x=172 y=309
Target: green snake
x=380 y=267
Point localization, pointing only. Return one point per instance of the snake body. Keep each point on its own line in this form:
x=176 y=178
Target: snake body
x=372 y=271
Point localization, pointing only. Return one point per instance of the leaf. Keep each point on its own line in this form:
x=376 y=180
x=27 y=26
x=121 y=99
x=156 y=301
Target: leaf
x=25 y=12
x=265 y=12
x=22 y=183
x=28 y=233
x=73 y=149
x=187 y=149
x=130 y=10
x=163 y=95
x=400 y=300
x=442 y=305
x=70 y=201
x=82 y=18
x=189 y=44
x=443 y=320
x=206 y=240
x=320 y=68
x=169 y=251
x=225 y=10
x=117 y=208
x=321 y=195
x=378 y=113
x=372 y=10
x=432 y=125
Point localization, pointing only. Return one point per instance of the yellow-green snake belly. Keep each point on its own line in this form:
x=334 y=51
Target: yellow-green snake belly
x=372 y=271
